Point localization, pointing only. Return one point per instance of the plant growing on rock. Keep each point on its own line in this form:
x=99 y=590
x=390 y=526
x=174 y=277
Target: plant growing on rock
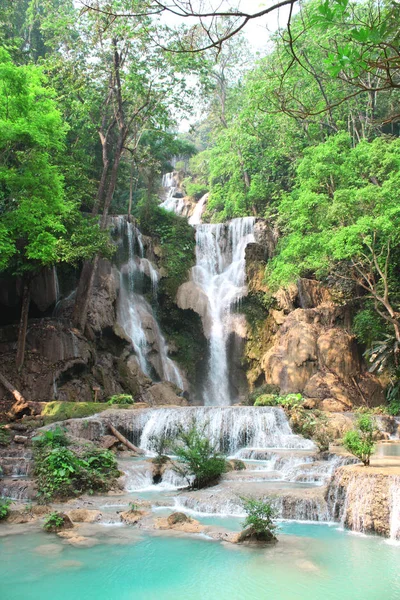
x=260 y=520
x=360 y=441
x=5 y=437
x=121 y=399
x=198 y=460
x=54 y=521
x=4 y=508
x=159 y=444
x=64 y=472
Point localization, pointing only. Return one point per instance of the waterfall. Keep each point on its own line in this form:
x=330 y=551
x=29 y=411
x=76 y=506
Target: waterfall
x=220 y=274
x=134 y=313
x=230 y=428
x=195 y=219
x=173 y=202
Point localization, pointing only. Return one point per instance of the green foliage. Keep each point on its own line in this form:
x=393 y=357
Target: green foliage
x=195 y=190
x=176 y=239
x=5 y=436
x=311 y=424
x=121 y=399
x=197 y=459
x=261 y=516
x=56 y=438
x=289 y=401
x=360 y=441
x=266 y=400
x=368 y=326
x=61 y=411
x=63 y=472
x=393 y=395
x=53 y=521
x=133 y=507
x=4 y=508
x=267 y=388
x=160 y=444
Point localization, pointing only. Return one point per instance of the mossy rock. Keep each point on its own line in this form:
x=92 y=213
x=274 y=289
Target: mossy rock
x=61 y=411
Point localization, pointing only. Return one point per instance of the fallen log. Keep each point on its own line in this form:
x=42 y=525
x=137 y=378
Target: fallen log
x=124 y=441
x=20 y=403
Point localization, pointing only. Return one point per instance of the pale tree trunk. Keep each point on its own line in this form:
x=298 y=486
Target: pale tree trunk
x=23 y=324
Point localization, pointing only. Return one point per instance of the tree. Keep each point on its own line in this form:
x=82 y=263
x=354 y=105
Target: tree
x=39 y=226
x=360 y=441
x=197 y=458
x=342 y=219
x=260 y=520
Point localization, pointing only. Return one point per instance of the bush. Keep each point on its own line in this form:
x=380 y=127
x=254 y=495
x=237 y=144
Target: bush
x=121 y=399
x=159 y=444
x=198 y=460
x=360 y=441
x=267 y=388
x=312 y=425
x=62 y=473
x=260 y=518
x=5 y=436
x=53 y=521
x=266 y=400
x=4 y=508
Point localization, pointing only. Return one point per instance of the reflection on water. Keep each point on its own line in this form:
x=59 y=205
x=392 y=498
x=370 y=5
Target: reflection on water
x=388 y=449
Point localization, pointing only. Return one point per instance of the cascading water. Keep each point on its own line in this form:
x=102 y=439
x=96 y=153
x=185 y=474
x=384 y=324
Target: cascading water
x=220 y=274
x=229 y=428
x=173 y=200
x=135 y=314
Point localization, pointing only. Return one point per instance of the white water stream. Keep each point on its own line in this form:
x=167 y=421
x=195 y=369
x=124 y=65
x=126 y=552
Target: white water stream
x=135 y=314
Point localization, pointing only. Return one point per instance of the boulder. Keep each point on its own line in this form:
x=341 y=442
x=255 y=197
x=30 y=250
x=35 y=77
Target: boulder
x=164 y=393
x=132 y=517
x=179 y=522
x=83 y=515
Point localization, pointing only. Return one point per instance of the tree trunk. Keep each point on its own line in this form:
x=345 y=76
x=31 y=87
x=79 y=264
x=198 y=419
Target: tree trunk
x=124 y=441
x=20 y=403
x=23 y=324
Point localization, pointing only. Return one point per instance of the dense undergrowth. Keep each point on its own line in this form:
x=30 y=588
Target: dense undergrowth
x=65 y=469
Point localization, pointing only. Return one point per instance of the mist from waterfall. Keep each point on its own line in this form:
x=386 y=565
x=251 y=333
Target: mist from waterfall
x=134 y=313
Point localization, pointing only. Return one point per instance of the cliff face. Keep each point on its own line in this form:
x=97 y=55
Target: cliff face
x=301 y=342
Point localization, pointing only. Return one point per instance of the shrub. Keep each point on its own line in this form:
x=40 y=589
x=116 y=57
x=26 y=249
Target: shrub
x=5 y=436
x=4 y=508
x=53 y=521
x=266 y=400
x=55 y=438
x=198 y=460
x=290 y=400
x=121 y=399
x=61 y=472
x=260 y=518
x=360 y=441
x=263 y=389
x=312 y=425
x=159 y=444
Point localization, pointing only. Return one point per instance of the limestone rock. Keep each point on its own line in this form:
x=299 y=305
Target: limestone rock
x=83 y=515
x=164 y=393
x=20 y=439
x=132 y=517
x=179 y=522
x=108 y=441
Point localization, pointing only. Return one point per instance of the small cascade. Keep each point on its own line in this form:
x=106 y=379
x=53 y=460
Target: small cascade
x=139 y=478
x=195 y=219
x=395 y=509
x=135 y=314
x=229 y=428
x=220 y=274
x=173 y=199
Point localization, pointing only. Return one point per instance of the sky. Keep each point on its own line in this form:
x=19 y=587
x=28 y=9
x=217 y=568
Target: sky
x=257 y=30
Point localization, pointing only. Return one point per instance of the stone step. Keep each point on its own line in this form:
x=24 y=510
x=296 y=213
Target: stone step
x=12 y=466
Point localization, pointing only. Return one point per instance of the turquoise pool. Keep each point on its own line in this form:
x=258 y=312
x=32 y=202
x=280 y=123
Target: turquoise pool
x=310 y=562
